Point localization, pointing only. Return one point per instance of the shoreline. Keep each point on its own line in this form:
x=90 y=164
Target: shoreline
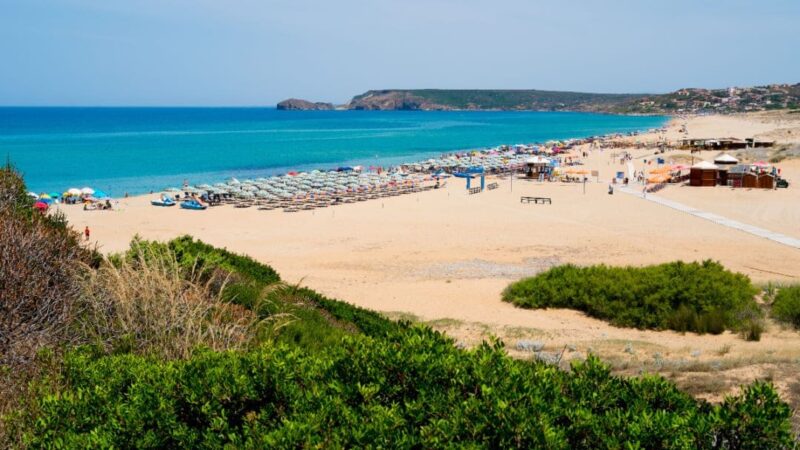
x=109 y=184
x=444 y=257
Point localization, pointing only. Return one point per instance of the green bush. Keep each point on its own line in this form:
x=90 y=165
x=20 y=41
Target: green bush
x=413 y=389
x=786 y=307
x=699 y=297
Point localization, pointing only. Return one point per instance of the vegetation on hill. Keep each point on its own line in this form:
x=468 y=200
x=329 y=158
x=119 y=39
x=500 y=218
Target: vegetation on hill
x=486 y=99
x=699 y=297
x=183 y=345
x=757 y=98
x=786 y=306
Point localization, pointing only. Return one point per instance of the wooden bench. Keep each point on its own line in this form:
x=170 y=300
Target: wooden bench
x=475 y=190
x=535 y=200
x=491 y=186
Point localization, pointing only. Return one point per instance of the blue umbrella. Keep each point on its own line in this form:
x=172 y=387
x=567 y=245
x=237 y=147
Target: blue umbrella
x=100 y=194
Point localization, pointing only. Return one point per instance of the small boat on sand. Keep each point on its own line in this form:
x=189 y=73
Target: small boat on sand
x=163 y=201
x=193 y=204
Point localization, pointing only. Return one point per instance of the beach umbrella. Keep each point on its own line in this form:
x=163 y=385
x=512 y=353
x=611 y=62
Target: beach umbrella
x=74 y=191
x=54 y=195
x=100 y=194
x=660 y=178
x=44 y=196
x=87 y=191
x=41 y=206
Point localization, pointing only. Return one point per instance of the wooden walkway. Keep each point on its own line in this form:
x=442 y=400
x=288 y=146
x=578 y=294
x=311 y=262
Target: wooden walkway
x=724 y=221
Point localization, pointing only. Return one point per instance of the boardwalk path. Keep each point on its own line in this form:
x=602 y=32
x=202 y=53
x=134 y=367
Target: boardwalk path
x=760 y=232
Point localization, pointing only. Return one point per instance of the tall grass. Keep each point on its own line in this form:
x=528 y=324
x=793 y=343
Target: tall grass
x=150 y=304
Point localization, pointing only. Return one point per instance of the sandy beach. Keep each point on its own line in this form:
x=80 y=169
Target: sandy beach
x=444 y=257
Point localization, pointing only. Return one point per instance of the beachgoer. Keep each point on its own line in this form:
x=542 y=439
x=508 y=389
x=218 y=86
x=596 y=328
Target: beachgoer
x=86 y=232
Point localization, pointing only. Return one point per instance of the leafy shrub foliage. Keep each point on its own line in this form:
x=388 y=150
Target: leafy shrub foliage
x=786 y=307
x=412 y=389
x=700 y=297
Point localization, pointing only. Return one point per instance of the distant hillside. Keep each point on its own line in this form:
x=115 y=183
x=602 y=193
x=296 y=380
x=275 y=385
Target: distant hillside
x=723 y=101
x=452 y=99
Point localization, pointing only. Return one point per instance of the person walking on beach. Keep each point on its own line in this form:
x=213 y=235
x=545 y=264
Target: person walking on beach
x=86 y=232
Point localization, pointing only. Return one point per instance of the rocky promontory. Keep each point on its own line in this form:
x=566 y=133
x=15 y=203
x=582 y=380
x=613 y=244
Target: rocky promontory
x=296 y=104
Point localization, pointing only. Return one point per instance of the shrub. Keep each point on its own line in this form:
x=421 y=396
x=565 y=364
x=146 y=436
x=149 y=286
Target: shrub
x=40 y=261
x=700 y=297
x=786 y=306
x=412 y=389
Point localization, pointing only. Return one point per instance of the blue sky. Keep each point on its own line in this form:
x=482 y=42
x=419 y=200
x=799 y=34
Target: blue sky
x=257 y=52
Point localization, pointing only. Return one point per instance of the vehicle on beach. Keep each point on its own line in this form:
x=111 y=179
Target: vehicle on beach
x=163 y=201
x=193 y=204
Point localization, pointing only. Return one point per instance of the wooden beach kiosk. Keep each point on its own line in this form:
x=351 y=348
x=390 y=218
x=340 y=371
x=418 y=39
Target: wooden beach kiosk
x=747 y=176
x=536 y=166
x=704 y=174
x=724 y=162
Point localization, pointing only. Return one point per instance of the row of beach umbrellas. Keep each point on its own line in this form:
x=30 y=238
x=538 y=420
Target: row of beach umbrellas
x=314 y=183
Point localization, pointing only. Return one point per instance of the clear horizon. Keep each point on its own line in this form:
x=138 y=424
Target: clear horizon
x=249 y=53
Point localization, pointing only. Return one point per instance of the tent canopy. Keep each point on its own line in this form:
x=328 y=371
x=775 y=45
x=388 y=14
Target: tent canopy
x=725 y=158
x=705 y=165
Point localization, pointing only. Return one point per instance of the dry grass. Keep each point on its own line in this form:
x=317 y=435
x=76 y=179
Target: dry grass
x=151 y=305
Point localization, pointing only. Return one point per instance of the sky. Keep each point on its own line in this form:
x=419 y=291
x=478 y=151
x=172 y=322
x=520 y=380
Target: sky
x=258 y=52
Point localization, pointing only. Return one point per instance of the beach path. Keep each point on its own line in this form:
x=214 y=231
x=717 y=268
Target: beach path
x=720 y=220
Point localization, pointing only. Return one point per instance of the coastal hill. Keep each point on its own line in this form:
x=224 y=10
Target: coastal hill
x=451 y=99
x=690 y=100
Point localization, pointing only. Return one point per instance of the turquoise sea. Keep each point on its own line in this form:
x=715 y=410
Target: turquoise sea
x=136 y=150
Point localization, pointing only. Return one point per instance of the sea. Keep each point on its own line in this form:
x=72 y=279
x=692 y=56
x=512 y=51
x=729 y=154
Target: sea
x=138 y=150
